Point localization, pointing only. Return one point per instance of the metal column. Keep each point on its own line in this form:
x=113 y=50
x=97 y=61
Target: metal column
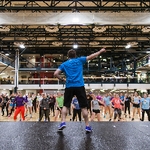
x=16 y=70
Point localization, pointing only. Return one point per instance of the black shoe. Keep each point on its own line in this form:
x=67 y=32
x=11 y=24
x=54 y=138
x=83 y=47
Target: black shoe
x=132 y=119
x=141 y=119
x=109 y=119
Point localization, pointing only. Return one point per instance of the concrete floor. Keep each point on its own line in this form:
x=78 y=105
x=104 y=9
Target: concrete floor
x=105 y=136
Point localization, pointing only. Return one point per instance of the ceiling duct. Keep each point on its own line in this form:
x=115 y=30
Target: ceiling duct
x=18 y=44
x=146 y=29
x=99 y=29
x=93 y=43
x=57 y=43
x=132 y=43
x=51 y=29
x=4 y=29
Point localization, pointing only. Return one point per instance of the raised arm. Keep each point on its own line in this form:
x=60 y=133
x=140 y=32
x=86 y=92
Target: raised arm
x=94 y=55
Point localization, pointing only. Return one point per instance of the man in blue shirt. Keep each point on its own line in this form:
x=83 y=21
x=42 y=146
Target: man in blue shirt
x=73 y=69
x=145 y=106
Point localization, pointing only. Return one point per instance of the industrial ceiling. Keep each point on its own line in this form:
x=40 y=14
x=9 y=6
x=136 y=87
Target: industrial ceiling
x=104 y=23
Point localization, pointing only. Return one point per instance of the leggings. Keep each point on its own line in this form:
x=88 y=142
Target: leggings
x=75 y=112
x=3 y=107
x=18 y=110
x=127 y=106
x=34 y=107
x=52 y=107
x=148 y=114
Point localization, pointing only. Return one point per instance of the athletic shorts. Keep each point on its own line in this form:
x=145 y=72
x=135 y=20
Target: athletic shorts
x=12 y=105
x=80 y=94
x=96 y=111
x=136 y=105
x=117 y=111
x=29 y=105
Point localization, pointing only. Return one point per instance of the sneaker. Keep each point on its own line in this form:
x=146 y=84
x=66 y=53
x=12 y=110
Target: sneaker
x=62 y=126
x=88 y=129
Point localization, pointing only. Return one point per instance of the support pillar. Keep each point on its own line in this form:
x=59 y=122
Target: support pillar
x=134 y=71
x=16 y=70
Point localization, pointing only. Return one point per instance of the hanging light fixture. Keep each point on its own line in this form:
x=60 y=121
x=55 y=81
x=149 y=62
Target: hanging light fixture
x=19 y=44
x=128 y=46
x=75 y=45
x=22 y=46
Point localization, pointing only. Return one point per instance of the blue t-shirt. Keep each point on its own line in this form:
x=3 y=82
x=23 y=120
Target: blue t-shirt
x=145 y=103
x=122 y=98
x=75 y=103
x=73 y=69
x=107 y=100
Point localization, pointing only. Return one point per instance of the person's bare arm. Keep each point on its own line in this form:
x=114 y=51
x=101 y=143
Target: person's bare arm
x=94 y=55
x=57 y=74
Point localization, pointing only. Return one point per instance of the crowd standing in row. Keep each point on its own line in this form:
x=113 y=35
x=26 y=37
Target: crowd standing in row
x=109 y=106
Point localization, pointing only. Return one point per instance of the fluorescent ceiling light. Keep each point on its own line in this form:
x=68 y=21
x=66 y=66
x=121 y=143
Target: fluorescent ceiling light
x=7 y=54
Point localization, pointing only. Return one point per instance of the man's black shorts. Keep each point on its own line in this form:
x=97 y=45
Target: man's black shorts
x=80 y=94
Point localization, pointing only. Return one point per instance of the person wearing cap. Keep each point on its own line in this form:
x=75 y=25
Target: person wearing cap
x=73 y=70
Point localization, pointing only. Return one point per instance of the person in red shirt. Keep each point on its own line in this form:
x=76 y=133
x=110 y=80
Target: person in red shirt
x=116 y=101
